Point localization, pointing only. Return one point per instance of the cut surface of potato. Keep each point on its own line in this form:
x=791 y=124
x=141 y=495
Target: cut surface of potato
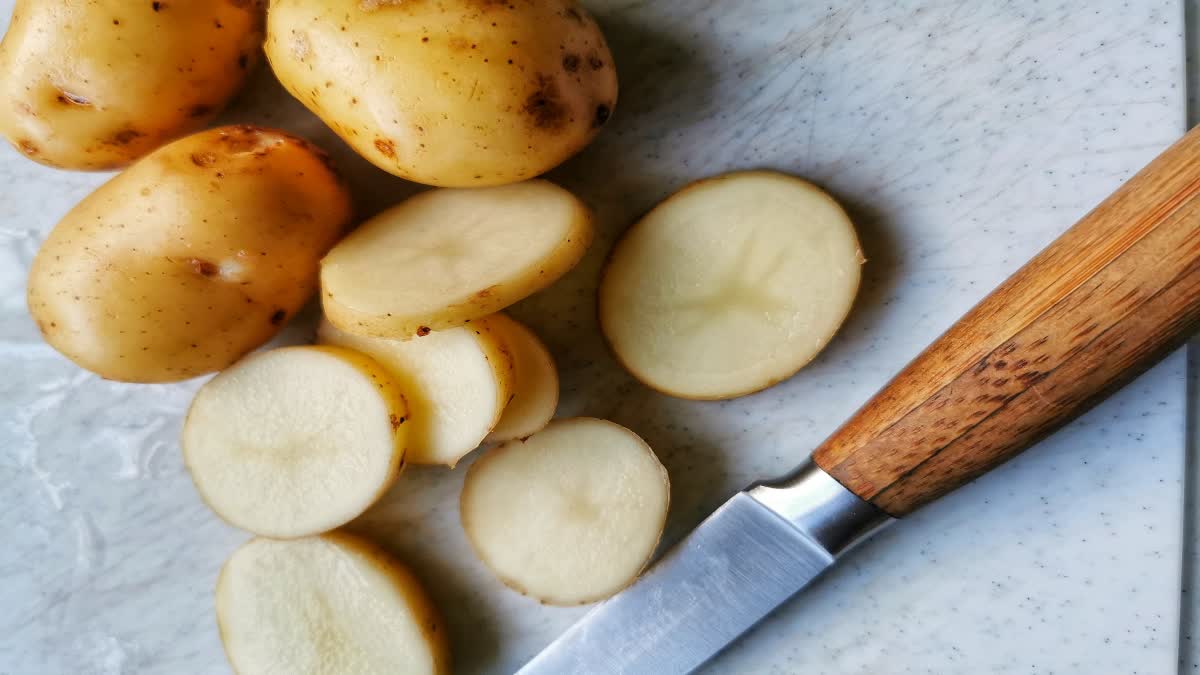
x=295 y=441
x=730 y=285
x=535 y=382
x=569 y=515
x=327 y=605
x=447 y=256
x=456 y=382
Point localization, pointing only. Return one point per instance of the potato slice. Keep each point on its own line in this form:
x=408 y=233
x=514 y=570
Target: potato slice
x=535 y=382
x=447 y=256
x=326 y=605
x=571 y=514
x=730 y=285
x=295 y=441
x=456 y=381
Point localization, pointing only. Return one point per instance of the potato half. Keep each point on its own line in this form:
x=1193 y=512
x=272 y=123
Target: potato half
x=730 y=285
x=457 y=93
x=295 y=441
x=535 y=382
x=447 y=256
x=98 y=84
x=328 y=605
x=569 y=515
x=198 y=253
x=456 y=381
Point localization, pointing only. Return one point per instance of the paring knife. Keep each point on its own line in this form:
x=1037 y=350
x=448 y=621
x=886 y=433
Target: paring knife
x=1104 y=302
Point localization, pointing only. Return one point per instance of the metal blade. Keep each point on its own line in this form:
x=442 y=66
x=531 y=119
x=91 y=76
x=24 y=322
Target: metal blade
x=728 y=574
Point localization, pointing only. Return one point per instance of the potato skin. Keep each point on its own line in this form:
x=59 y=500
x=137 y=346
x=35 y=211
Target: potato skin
x=195 y=255
x=95 y=85
x=455 y=93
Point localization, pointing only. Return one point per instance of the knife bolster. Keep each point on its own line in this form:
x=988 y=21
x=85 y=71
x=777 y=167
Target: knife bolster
x=821 y=508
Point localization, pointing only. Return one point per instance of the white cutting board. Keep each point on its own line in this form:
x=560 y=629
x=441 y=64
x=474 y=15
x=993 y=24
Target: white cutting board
x=962 y=136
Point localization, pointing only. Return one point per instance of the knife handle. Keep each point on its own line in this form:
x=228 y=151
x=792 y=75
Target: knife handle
x=1104 y=302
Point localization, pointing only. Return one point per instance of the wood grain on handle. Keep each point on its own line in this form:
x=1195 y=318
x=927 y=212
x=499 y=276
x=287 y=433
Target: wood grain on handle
x=1105 y=301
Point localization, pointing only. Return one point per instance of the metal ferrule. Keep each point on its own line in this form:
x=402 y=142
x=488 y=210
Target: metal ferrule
x=821 y=508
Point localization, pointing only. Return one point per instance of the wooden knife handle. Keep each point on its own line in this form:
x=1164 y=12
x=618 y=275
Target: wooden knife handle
x=1104 y=302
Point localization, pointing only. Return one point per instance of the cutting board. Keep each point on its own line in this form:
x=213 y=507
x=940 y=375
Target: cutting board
x=961 y=136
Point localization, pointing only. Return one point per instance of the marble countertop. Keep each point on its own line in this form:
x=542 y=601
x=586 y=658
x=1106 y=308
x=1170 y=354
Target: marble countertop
x=963 y=137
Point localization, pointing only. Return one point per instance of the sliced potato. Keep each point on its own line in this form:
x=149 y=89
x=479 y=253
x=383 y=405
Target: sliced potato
x=326 y=605
x=569 y=515
x=447 y=256
x=295 y=441
x=730 y=285
x=535 y=382
x=456 y=381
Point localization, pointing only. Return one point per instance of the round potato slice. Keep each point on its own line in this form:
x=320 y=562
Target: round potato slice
x=569 y=515
x=535 y=382
x=456 y=382
x=447 y=256
x=730 y=285
x=326 y=605
x=295 y=441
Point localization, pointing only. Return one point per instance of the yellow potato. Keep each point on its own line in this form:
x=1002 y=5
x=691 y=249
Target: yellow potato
x=98 y=84
x=195 y=255
x=455 y=93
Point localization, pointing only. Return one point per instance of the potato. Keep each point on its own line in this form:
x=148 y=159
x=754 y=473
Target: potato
x=456 y=93
x=195 y=255
x=730 y=285
x=329 y=605
x=457 y=382
x=569 y=515
x=98 y=84
x=535 y=382
x=445 y=257
x=296 y=441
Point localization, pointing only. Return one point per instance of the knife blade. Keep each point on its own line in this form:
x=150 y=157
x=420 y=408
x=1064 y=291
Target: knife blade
x=1102 y=303
x=755 y=551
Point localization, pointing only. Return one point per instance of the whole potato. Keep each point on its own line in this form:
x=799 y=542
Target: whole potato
x=453 y=93
x=98 y=84
x=193 y=256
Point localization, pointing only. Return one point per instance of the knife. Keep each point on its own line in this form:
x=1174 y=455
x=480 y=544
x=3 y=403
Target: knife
x=1101 y=304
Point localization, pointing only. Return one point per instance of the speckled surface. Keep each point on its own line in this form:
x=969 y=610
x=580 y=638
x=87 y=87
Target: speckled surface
x=962 y=136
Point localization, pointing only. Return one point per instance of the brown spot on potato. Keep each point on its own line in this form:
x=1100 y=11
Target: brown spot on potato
x=396 y=421
x=603 y=112
x=199 y=110
x=423 y=331
x=27 y=147
x=385 y=147
x=543 y=106
x=67 y=98
x=158 y=6
x=243 y=61
x=277 y=317
x=572 y=13
x=203 y=267
x=124 y=137
x=570 y=62
x=203 y=159
x=595 y=62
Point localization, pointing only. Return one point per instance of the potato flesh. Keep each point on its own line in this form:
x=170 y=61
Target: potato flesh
x=456 y=93
x=447 y=256
x=295 y=441
x=730 y=286
x=327 y=605
x=195 y=255
x=571 y=514
x=96 y=85
x=456 y=383
x=535 y=382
